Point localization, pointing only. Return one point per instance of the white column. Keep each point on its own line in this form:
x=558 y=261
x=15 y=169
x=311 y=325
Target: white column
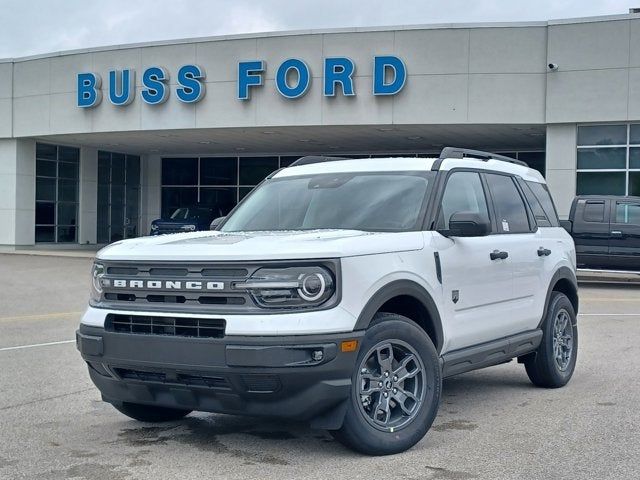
x=561 y=158
x=88 y=208
x=17 y=191
x=151 y=191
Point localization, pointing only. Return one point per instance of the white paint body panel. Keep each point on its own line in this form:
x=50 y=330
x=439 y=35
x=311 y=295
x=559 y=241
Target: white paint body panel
x=496 y=298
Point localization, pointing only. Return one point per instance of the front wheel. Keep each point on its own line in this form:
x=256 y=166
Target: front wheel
x=552 y=365
x=395 y=389
x=151 y=413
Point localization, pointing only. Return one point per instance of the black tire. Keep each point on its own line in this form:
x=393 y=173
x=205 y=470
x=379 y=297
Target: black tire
x=151 y=413
x=542 y=366
x=359 y=431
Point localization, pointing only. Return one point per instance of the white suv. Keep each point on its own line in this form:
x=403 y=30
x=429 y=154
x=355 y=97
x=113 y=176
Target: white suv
x=340 y=292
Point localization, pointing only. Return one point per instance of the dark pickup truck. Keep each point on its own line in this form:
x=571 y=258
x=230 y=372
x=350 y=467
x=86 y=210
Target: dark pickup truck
x=606 y=231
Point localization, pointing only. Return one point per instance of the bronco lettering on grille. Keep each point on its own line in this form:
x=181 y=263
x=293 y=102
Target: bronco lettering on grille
x=168 y=285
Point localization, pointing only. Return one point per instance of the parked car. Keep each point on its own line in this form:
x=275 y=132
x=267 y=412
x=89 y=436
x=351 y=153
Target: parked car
x=340 y=292
x=185 y=219
x=606 y=231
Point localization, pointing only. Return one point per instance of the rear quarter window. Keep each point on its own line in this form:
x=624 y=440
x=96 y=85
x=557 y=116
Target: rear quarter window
x=542 y=195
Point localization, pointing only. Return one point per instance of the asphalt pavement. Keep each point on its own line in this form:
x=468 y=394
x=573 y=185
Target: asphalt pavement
x=492 y=423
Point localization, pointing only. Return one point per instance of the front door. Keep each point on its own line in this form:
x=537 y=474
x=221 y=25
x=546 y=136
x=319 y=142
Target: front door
x=476 y=288
x=118 y=196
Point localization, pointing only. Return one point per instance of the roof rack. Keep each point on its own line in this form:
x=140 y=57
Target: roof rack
x=311 y=159
x=454 y=152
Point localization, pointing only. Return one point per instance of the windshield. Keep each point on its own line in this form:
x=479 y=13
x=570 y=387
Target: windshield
x=190 y=213
x=387 y=201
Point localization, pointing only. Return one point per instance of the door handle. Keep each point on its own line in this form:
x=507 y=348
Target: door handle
x=544 y=252
x=498 y=255
x=616 y=233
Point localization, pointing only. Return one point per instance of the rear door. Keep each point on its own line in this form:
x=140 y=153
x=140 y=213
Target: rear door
x=591 y=232
x=624 y=244
x=516 y=234
x=476 y=289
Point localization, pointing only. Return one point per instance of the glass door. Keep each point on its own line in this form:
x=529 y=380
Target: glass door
x=118 y=196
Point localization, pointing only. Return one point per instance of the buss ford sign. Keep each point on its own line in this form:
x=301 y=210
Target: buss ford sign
x=292 y=80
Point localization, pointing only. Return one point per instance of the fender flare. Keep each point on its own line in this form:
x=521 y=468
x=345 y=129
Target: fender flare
x=397 y=288
x=563 y=273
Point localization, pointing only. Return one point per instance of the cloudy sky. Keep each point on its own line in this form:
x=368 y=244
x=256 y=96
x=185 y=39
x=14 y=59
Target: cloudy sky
x=30 y=27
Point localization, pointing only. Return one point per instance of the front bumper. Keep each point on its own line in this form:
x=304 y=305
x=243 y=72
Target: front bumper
x=261 y=376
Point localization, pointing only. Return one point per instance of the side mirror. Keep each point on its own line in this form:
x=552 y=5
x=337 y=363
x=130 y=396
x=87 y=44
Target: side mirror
x=468 y=224
x=216 y=222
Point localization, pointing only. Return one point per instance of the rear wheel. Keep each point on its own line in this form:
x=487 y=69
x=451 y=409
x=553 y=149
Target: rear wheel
x=552 y=365
x=395 y=389
x=151 y=413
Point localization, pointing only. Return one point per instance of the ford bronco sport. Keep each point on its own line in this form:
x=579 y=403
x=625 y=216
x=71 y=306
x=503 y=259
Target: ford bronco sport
x=340 y=292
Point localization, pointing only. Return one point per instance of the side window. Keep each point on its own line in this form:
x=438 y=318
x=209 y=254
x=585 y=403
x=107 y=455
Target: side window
x=463 y=193
x=628 y=213
x=536 y=208
x=511 y=213
x=541 y=192
x=593 y=212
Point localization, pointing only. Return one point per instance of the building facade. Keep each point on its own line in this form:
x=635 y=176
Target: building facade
x=95 y=144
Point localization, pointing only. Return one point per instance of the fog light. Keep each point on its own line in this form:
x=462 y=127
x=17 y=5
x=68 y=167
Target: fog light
x=317 y=355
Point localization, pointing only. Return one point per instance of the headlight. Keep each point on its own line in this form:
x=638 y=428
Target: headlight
x=292 y=287
x=97 y=271
x=154 y=227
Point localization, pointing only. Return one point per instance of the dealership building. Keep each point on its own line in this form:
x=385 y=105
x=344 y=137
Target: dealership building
x=96 y=143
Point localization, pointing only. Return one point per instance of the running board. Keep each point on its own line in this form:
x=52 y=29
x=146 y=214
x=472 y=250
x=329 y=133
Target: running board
x=490 y=353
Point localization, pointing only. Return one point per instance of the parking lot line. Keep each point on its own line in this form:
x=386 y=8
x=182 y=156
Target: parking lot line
x=40 y=316
x=20 y=347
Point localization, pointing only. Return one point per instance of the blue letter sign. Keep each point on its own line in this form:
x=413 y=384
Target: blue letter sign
x=303 y=78
x=249 y=75
x=122 y=85
x=154 y=91
x=338 y=70
x=380 y=66
x=191 y=86
x=89 y=93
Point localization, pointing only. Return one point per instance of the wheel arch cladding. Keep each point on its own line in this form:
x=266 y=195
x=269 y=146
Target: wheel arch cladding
x=410 y=300
x=563 y=281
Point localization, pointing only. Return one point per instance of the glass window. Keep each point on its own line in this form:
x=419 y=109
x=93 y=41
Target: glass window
x=594 y=211
x=535 y=160
x=68 y=170
x=67 y=190
x=601 y=183
x=219 y=171
x=602 y=158
x=46 y=151
x=66 y=234
x=634 y=134
x=67 y=214
x=118 y=168
x=220 y=200
x=634 y=157
x=179 y=171
x=541 y=192
x=244 y=191
x=255 y=169
x=133 y=170
x=628 y=213
x=634 y=183
x=463 y=193
x=46 y=189
x=602 y=135
x=176 y=197
x=45 y=234
x=45 y=213
x=46 y=168
x=355 y=201
x=68 y=154
x=510 y=210
x=536 y=208
x=286 y=161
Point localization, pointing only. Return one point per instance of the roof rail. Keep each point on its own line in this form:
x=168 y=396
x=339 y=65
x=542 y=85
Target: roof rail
x=454 y=152
x=311 y=159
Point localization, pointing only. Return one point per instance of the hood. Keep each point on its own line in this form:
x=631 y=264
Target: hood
x=252 y=246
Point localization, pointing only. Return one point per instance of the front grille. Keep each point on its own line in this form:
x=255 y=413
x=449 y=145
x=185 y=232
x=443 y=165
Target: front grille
x=187 y=379
x=170 y=326
x=176 y=287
